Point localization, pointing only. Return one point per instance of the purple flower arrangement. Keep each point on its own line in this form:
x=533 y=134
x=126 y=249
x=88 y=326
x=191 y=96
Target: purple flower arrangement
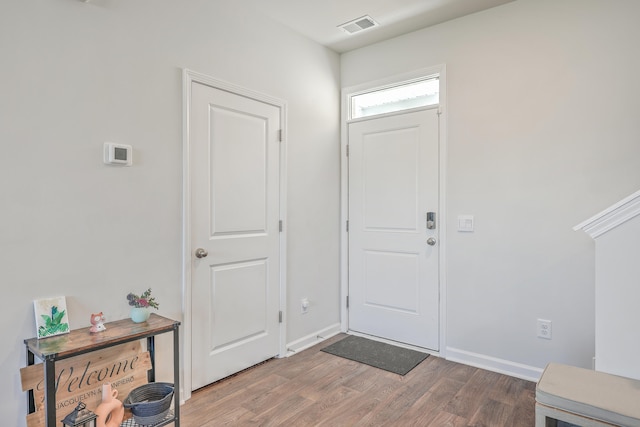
x=144 y=300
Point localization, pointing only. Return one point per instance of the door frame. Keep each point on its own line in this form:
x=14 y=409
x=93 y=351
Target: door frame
x=188 y=78
x=347 y=92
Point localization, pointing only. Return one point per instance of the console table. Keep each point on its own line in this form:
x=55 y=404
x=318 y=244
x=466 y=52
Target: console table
x=81 y=341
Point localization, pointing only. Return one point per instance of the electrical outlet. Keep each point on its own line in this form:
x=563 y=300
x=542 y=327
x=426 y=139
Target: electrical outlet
x=304 y=305
x=544 y=329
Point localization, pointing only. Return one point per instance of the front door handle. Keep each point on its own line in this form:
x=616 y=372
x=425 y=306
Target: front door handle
x=201 y=253
x=431 y=241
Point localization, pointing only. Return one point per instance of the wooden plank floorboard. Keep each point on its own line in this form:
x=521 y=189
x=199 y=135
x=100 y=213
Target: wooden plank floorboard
x=445 y=419
x=522 y=416
x=426 y=409
x=491 y=413
x=313 y=388
x=311 y=415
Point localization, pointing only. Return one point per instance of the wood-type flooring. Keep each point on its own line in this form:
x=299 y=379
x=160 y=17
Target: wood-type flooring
x=313 y=388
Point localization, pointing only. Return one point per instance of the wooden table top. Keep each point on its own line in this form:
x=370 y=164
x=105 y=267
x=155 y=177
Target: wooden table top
x=80 y=341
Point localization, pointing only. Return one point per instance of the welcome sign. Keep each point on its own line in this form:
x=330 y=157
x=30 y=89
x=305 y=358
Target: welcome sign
x=80 y=379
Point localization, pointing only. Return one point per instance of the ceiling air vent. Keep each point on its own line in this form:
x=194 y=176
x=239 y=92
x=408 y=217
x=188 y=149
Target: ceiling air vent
x=357 y=25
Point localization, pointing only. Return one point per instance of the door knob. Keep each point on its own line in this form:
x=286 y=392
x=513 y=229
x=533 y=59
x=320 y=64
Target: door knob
x=431 y=241
x=201 y=253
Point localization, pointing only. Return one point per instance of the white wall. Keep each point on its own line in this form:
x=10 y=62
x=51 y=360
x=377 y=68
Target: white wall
x=74 y=75
x=543 y=102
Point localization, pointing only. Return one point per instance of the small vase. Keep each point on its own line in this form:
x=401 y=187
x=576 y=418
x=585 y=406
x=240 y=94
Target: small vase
x=111 y=411
x=139 y=314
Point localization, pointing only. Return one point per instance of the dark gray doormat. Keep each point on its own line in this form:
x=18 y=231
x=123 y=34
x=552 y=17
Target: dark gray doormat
x=377 y=354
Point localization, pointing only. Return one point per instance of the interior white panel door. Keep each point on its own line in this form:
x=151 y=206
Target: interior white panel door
x=393 y=271
x=234 y=158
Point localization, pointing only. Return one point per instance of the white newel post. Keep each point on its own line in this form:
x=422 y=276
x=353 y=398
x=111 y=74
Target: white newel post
x=616 y=232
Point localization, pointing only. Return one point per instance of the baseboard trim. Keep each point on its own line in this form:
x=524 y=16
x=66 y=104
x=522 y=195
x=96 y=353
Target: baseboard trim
x=494 y=364
x=312 y=339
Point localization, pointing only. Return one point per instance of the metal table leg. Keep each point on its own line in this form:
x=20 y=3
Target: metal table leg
x=50 y=392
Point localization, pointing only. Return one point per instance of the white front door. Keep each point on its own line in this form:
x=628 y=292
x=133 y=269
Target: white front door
x=393 y=269
x=235 y=178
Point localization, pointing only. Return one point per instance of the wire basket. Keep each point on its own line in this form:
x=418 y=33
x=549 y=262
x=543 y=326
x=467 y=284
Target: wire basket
x=150 y=403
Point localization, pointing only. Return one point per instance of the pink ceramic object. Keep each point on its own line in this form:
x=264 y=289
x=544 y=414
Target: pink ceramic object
x=111 y=411
x=97 y=323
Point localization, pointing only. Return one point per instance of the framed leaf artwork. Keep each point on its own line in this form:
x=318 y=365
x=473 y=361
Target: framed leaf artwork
x=51 y=316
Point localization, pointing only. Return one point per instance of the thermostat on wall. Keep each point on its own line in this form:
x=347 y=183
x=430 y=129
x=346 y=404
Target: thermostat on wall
x=118 y=154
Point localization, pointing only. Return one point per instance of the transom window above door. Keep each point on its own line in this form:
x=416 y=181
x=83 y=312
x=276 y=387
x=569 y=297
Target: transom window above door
x=389 y=99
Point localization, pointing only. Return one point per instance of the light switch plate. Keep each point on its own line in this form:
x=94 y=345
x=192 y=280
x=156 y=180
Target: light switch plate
x=465 y=223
